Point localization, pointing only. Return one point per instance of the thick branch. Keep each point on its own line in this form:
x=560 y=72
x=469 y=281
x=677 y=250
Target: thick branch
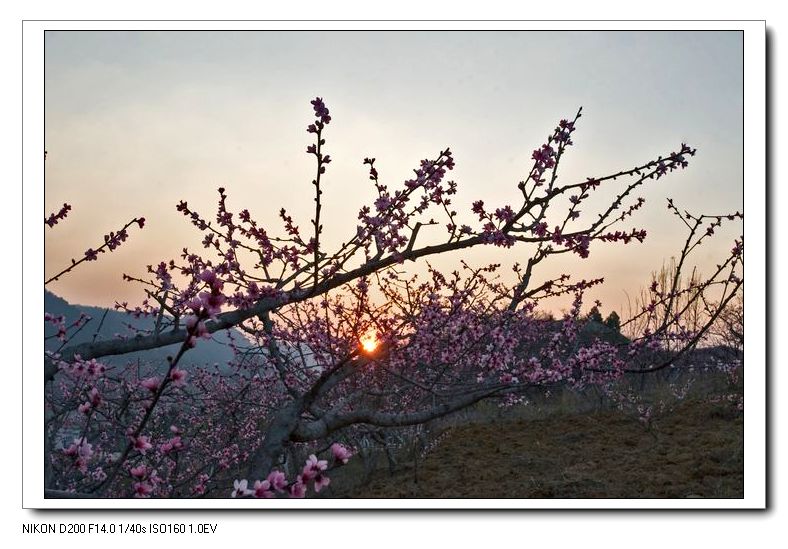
x=331 y=422
x=233 y=318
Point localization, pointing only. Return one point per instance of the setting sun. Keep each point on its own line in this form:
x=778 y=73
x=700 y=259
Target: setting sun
x=369 y=342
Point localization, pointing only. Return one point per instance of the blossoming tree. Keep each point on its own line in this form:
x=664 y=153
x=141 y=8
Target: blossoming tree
x=339 y=342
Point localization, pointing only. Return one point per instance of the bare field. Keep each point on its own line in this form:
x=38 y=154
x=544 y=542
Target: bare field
x=694 y=451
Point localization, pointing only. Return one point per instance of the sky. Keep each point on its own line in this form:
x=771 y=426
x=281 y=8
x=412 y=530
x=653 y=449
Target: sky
x=137 y=121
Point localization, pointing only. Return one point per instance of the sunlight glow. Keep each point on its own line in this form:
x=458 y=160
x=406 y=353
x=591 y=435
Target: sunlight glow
x=369 y=342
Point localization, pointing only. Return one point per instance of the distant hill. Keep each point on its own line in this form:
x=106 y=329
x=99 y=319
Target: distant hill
x=593 y=330
x=117 y=323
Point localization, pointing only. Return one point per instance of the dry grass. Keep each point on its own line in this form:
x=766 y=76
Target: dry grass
x=694 y=451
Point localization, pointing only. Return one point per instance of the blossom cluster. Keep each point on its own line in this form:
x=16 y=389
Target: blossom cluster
x=314 y=471
x=80 y=368
x=386 y=223
x=208 y=303
x=53 y=218
x=112 y=240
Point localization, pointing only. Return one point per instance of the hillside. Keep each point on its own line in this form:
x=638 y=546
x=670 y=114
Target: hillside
x=119 y=323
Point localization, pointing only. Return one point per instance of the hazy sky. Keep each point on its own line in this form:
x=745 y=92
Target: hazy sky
x=137 y=121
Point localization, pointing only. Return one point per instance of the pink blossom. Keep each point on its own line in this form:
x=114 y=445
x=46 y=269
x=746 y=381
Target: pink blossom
x=85 y=449
x=142 y=444
x=99 y=474
x=298 y=489
x=178 y=377
x=321 y=111
x=211 y=302
x=197 y=327
x=174 y=443
x=55 y=217
x=209 y=277
x=81 y=448
x=340 y=452
x=262 y=489
x=278 y=480
x=321 y=481
x=241 y=489
x=95 y=397
x=151 y=384
x=313 y=467
x=139 y=472
x=142 y=489
x=505 y=214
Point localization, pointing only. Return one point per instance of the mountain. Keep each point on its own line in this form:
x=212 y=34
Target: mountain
x=215 y=350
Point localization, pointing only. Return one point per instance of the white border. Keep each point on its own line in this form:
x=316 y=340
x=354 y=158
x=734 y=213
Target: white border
x=755 y=265
x=755 y=345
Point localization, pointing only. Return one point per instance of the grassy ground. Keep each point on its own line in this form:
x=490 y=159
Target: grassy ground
x=694 y=451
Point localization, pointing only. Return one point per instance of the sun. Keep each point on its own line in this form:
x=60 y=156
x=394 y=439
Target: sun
x=369 y=342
